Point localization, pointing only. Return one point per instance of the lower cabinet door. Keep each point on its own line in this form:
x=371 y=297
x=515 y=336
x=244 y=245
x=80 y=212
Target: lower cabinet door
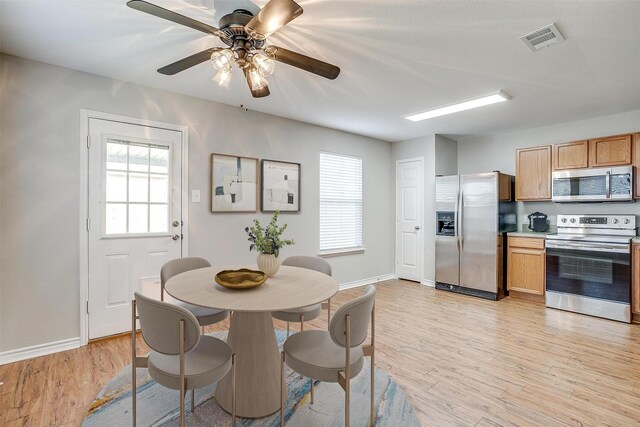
x=635 y=279
x=526 y=270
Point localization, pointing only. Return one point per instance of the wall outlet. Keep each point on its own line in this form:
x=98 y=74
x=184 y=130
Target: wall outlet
x=195 y=196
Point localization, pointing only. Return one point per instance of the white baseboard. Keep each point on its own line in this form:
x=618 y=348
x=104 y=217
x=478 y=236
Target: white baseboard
x=428 y=282
x=369 y=281
x=18 y=354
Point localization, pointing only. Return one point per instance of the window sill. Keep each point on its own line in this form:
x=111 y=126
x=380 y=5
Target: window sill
x=340 y=252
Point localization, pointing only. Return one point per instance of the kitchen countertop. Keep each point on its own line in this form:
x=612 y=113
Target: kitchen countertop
x=525 y=232
x=636 y=240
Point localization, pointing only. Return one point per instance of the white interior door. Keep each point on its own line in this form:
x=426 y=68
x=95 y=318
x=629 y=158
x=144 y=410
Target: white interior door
x=135 y=217
x=409 y=215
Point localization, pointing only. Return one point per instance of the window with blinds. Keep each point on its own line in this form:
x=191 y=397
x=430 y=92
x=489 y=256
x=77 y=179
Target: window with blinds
x=340 y=202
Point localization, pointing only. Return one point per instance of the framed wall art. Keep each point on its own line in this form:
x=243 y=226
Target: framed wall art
x=280 y=186
x=234 y=183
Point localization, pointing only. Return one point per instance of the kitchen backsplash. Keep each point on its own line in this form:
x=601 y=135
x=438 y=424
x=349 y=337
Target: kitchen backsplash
x=553 y=209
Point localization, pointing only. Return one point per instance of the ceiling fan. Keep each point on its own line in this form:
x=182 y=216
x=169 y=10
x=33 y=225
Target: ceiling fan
x=246 y=37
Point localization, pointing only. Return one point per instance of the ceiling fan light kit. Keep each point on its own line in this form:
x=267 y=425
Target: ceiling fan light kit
x=246 y=37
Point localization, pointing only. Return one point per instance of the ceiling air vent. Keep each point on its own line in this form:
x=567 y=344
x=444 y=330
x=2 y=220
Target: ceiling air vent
x=542 y=38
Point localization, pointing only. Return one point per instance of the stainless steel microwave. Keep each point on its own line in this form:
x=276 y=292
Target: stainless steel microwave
x=613 y=184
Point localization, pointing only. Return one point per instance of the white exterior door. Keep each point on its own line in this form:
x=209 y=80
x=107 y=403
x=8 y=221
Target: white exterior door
x=135 y=217
x=409 y=203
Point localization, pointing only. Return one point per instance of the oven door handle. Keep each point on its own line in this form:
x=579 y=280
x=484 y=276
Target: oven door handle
x=623 y=249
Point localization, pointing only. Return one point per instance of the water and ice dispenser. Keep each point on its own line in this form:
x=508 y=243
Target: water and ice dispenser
x=445 y=223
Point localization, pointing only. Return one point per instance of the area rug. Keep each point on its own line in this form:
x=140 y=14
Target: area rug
x=158 y=406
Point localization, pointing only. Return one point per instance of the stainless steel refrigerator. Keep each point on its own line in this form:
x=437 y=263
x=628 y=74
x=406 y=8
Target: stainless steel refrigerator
x=473 y=214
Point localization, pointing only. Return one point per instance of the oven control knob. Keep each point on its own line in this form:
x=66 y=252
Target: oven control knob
x=564 y=220
x=573 y=220
x=614 y=220
x=625 y=221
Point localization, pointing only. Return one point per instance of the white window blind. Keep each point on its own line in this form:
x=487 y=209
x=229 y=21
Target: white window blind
x=340 y=202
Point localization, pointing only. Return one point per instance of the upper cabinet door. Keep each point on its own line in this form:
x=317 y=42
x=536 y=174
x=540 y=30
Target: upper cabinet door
x=571 y=155
x=533 y=173
x=610 y=151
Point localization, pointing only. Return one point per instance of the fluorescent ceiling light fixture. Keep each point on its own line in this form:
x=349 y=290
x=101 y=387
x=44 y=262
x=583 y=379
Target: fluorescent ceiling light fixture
x=462 y=106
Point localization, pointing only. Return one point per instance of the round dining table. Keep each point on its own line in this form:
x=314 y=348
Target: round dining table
x=251 y=334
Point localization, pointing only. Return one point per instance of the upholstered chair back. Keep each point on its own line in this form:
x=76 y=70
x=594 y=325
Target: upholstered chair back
x=180 y=265
x=359 y=310
x=160 y=325
x=310 y=263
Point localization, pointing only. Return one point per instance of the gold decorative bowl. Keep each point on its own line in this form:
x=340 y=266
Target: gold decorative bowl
x=240 y=279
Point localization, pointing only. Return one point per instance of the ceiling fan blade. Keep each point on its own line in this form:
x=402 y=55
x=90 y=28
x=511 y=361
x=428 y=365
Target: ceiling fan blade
x=273 y=16
x=187 y=62
x=303 y=62
x=169 y=15
x=260 y=93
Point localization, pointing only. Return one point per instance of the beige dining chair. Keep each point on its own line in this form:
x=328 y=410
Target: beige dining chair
x=312 y=311
x=182 y=359
x=335 y=355
x=205 y=316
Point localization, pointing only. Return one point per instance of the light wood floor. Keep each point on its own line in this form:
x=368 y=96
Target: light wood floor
x=461 y=361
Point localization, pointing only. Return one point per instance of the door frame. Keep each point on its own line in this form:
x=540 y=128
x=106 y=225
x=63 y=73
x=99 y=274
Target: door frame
x=85 y=116
x=421 y=219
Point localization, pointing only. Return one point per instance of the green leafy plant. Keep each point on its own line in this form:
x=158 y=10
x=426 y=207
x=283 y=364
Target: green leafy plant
x=267 y=240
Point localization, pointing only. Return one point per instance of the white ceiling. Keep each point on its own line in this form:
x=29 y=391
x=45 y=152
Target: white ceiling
x=397 y=57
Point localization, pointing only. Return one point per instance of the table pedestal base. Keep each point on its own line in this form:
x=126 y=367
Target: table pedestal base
x=252 y=338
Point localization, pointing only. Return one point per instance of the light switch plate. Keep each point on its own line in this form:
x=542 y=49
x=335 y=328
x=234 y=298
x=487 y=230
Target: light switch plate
x=195 y=196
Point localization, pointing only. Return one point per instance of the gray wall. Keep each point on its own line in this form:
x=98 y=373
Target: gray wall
x=447 y=156
x=497 y=152
x=40 y=185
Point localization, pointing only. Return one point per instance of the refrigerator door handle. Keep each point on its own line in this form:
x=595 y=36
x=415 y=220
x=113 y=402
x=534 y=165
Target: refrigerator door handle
x=460 y=217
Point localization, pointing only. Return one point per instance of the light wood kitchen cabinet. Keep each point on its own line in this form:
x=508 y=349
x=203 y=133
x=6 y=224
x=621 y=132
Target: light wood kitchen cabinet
x=526 y=265
x=610 y=151
x=505 y=185
x=636 y=163
x=635 y=281
x=571 y=155
x=533 y=173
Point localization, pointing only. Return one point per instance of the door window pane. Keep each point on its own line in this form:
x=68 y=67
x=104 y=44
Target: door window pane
x=159 y=188
x=159 y=160
x=138 y=158
x=116 y=186
x=136 y=184
x=138 y=187
x=116 y=156
x=158 y=221
x=138 y=219
x=116 y=218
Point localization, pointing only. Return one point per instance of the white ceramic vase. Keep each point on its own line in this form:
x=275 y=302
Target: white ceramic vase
x=269 y=264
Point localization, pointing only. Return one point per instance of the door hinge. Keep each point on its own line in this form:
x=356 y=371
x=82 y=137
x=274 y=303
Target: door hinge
x=88 y=141
x=87 y=307
x=182 y=236
x=88 y=224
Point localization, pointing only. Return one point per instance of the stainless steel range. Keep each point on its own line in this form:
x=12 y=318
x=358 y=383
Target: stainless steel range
x=589 y=265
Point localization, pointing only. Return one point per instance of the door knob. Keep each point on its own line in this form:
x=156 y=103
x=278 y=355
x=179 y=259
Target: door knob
x=416 y=228
x=175 y=223
x=175 y=237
